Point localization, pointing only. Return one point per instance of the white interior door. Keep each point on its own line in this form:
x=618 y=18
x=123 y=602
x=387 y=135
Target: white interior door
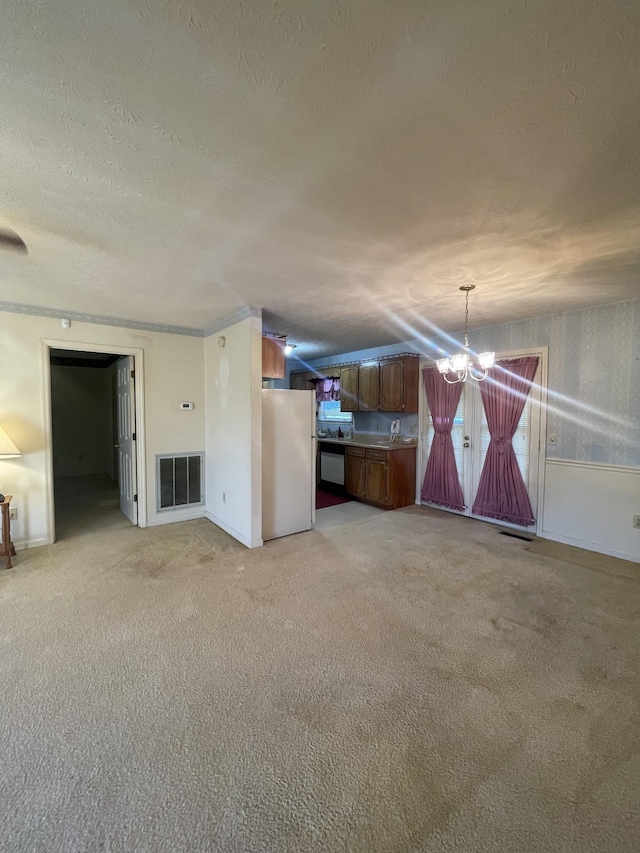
x=126 y=445
x=470 y=436
x=288 y=462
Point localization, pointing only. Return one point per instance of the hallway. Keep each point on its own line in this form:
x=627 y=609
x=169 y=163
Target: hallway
x=87 y=504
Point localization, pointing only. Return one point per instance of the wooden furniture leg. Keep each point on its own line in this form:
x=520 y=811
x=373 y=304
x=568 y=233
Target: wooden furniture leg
x=8 y=549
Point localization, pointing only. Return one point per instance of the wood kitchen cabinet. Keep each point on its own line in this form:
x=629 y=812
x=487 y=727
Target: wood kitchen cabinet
x=387 y=385
x=369 y=386
x=377 y=477
x=273 y=361
x=349 y=386
x=354 y=471
x=399 y=380
x=299 y=381
x=384 y=478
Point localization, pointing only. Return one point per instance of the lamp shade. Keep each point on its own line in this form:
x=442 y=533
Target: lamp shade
x=7 y=447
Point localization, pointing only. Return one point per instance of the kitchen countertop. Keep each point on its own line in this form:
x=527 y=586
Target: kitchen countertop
x=370 y=442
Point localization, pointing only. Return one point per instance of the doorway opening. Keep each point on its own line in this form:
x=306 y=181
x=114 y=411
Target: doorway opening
x=94 y=470
x=470 y=437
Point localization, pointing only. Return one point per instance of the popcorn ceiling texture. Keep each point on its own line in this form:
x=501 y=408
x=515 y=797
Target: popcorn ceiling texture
x=337 y=164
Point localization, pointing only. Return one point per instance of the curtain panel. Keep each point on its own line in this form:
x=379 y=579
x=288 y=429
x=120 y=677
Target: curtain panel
x=502 y=493
x=327 y=390
x=441 y=483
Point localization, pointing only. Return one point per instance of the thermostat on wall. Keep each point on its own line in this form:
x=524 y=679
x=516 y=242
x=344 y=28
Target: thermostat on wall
x=186 y=407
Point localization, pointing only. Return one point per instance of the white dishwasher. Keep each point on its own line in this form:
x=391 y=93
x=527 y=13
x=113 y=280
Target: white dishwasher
x=331 y=462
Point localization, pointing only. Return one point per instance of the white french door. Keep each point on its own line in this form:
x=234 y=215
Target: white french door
x=470 y=436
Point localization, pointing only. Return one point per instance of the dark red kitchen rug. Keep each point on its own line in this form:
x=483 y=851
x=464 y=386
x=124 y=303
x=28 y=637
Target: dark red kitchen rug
x=325 y=499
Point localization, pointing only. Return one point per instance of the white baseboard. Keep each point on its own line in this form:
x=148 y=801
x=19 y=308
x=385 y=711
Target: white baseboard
x=31 y=543
x=249 y=543
x=591 y=506
x=175 y=516
x=590 y=546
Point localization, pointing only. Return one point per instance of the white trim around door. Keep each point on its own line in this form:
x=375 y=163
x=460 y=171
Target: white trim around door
x=79 y=346
x=471 y=477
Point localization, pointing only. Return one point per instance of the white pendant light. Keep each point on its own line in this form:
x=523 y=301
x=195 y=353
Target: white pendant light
x=462 y=364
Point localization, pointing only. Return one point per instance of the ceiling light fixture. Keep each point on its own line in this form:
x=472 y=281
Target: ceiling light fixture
x=282 y=339
x=462 y=363
x=10 y=240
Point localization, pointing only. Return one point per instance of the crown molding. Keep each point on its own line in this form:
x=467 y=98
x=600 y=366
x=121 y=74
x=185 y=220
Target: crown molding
x=121 y=322
x=80 y=317
x=232 y=319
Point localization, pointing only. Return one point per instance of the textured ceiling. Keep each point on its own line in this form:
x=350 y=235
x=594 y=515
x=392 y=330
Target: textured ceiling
x=344 y=165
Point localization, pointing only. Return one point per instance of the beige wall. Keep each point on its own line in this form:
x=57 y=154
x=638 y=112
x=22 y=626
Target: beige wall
x=234 y=430
x=173 y=371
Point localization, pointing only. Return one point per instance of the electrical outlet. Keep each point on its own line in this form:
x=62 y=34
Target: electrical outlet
x=636 y=521
x=13 y=513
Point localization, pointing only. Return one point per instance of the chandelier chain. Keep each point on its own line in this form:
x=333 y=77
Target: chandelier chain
x=466 y=321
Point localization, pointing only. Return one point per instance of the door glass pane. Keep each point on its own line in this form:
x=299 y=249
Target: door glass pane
x=521 y=440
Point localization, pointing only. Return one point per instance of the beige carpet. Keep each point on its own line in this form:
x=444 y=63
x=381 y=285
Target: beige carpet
x=407 y=681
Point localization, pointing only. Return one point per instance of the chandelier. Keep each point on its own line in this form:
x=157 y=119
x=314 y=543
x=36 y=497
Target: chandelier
x=463 y=364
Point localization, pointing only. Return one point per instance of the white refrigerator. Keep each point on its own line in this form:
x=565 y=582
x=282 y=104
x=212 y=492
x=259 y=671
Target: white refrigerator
x=288 y=462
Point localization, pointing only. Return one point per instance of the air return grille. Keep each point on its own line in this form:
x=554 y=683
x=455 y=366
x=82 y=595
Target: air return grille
x=179 y=479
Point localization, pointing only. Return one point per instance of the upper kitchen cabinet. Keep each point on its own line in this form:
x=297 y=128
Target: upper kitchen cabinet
x=299 y=381
x=273 y=359
x=386 y=385
x=349 y=388
x=369 y=386
x=399 y=385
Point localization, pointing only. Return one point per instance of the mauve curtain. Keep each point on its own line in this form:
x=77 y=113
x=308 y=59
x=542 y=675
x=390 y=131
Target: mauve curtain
x=502 y=493
x=441 y=484
x=327 y=389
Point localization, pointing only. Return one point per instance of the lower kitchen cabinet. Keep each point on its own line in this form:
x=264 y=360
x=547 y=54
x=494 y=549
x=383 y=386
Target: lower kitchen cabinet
x=376 y=478
x=384 y=478
x=354 y=472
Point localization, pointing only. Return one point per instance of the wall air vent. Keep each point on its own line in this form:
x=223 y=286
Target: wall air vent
x=179 y=480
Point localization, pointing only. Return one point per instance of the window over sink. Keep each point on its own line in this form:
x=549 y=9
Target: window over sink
x=329 y=410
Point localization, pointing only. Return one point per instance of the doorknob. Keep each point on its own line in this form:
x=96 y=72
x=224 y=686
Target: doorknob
x=116 y=445
x=466 y=444
x=466 y=438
